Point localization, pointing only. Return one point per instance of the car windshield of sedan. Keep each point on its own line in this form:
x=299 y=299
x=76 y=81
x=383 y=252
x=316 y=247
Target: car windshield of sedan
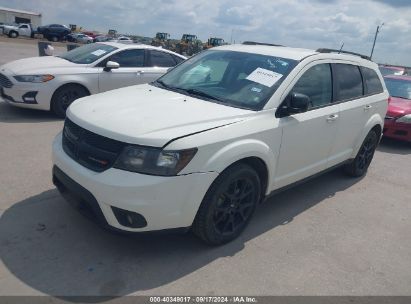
x=236 y=79
x=88 y=53
x=399 y=87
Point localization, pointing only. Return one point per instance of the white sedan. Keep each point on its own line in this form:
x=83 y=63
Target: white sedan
x=54 y=82
x=82 y=38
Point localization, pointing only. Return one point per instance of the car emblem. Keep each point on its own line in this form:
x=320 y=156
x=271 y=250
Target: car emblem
x=101 y=162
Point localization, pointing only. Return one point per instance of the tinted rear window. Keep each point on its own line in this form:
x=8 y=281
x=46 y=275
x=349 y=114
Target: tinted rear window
x=372 y=81
x=177 y=59
x=161 y=59
x=348 y=82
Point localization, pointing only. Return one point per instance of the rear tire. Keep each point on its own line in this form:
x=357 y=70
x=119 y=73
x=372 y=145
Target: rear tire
x=359 y=165
x=54 y=38
x=228 y=205
x=64 y=96
x=13 y=34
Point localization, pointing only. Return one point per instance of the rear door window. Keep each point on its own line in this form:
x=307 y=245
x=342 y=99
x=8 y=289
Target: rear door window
x=177 y=59
x=372 y=81
x=161 y=59
x=348 y=81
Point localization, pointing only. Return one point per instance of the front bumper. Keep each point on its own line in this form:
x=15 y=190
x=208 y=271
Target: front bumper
x=163 y=202
x=400 y=131
x=26 y=94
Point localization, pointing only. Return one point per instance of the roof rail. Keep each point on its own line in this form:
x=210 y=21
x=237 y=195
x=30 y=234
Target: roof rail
x=344 y=52
x=260 y=43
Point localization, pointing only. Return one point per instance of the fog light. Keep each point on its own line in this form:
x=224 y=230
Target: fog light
x=128 y=218
x=30 y=97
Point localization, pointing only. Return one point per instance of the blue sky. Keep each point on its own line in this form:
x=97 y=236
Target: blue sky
x=298 y=23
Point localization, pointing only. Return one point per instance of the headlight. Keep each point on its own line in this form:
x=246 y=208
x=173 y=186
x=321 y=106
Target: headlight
x=154 y=161
x=405 y=119
x=34 y=78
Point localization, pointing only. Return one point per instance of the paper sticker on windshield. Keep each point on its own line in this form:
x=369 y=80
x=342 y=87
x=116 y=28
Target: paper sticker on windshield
x=264 y=77
x=98 y=52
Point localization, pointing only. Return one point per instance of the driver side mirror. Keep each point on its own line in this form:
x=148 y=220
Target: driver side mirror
x=111 y=65
x=298 y=103
x=293 y=104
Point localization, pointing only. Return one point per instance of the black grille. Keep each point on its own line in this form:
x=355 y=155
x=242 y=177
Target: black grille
x=5 y=82
x=93 y=151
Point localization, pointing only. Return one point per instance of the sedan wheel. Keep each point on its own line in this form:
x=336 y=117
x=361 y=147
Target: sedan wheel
x=64 y=96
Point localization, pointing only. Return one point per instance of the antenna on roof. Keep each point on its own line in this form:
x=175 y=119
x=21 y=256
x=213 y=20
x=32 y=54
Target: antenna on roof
x=342 y=45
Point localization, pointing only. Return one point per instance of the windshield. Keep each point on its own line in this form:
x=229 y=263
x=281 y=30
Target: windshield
x=399 y=87
x=235 y=79
x=88 y=53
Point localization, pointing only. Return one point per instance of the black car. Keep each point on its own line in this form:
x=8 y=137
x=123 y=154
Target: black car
x=54 y=32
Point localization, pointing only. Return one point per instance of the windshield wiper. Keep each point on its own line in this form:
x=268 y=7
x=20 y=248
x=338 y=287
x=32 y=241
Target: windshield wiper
x=196 y=92
x=64 y=58
x=161 y=83
x=192 y=92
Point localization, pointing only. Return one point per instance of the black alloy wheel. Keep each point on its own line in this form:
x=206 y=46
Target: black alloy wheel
x=64 y=96
x=359 y=166
x=228 y=205
x=234 y=206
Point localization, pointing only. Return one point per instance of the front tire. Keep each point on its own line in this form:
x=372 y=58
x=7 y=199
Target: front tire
x=64 y=96
x=228 y=205
x=359 y=165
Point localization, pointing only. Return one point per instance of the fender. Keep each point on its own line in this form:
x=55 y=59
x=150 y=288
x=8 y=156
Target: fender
x=90 y=85
x=241 y=149
x=371 y=123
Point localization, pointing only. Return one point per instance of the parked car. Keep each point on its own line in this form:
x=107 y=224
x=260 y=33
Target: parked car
x=204 y=151
x=71 y=37
x=398 y=118
x=53 y=82
x=123 y=39
x=54 y=32
x=14 y=31
x=391 y=70
x=102 y=38
x=90 y=34
x=82 y=38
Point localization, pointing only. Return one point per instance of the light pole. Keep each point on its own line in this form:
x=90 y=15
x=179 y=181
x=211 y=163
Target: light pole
x=375 y=38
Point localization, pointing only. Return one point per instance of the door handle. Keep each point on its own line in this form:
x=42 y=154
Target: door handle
x=139 y=73
x=332 y=117
x=367 y=107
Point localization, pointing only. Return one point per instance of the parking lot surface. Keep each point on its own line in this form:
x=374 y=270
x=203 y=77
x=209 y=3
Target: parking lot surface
x=333 y=235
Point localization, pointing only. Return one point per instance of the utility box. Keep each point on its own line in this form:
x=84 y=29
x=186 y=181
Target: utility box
x=42 y=48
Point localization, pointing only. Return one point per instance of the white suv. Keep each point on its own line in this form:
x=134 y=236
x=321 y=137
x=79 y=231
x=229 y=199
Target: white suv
x=203 y=145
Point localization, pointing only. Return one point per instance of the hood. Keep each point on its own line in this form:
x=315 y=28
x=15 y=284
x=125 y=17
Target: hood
x=150 y=116
x=398 y=107
x=33 y=65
